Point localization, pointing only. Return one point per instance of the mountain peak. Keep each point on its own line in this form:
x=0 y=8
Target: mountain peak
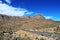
x=39 y=16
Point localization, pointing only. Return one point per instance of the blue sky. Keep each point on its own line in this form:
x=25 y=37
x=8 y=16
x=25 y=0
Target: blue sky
x=47 y=8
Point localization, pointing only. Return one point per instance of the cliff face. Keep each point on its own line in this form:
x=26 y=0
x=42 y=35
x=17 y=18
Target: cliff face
x=23 y=22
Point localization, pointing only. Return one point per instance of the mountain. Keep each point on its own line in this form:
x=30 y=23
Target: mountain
x=26 y=22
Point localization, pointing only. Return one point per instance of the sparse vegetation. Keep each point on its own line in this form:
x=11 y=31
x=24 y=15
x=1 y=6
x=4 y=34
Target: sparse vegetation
x=9 y=25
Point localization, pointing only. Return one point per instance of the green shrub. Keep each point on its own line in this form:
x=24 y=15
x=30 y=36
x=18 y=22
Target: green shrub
x=20 y=38
x=42 y=39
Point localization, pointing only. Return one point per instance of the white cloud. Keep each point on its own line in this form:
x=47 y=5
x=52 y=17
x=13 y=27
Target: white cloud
x=48 y=17
x=0 y=1
x=8 y=1
x=29 y=12
x=12 y=11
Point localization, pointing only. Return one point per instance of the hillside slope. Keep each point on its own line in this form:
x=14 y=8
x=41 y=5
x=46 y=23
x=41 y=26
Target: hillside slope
x=23 y=22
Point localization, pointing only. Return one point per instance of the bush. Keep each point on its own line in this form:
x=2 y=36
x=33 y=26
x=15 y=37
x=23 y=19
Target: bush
x=42 y=39
x=20 y=38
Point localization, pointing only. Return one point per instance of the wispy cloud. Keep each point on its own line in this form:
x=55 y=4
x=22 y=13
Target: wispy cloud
x=12 y=11
x=8 y=1
x=29 y=12
x=48 y=17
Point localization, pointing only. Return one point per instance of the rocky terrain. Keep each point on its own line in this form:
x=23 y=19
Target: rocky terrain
x=32 y=23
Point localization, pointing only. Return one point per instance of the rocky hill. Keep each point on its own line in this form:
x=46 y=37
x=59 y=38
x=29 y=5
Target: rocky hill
x=24 y=22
